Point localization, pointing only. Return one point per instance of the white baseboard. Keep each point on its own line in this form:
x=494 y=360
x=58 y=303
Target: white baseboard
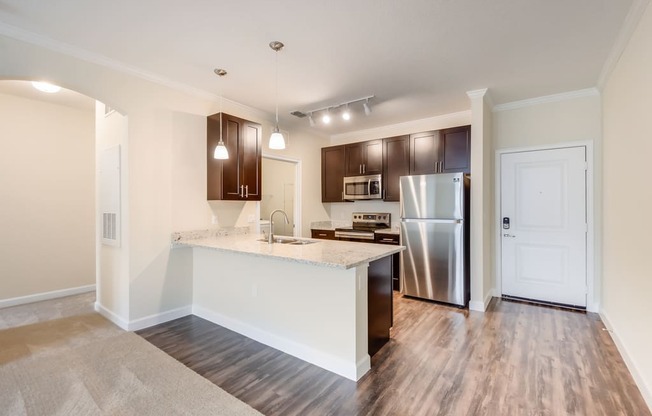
x=301 y=351
x=37 y=297
x=478 y=306
x=145 y=322
x=159 y=318
x=646 y=391
x=111 y=316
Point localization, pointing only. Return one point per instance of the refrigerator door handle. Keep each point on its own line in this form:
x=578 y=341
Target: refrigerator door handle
x=452 y=221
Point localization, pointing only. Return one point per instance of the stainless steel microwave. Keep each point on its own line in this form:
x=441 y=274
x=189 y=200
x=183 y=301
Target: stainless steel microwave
x=363 y=187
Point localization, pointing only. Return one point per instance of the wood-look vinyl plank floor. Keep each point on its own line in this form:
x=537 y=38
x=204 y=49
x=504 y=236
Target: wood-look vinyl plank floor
x=515 y=359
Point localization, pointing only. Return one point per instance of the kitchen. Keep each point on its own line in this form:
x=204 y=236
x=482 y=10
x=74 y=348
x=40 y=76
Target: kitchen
x=164 y=137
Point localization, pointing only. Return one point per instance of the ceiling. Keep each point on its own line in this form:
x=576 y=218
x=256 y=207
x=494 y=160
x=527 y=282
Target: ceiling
x=418 y=57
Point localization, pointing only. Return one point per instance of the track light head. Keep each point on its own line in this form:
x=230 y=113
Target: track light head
x=346 y=114
x=326 y=118
x=367 y=109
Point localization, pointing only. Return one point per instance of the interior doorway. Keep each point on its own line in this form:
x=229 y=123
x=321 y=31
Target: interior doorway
x=280 y=191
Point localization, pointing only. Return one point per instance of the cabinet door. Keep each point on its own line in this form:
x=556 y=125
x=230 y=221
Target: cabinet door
x=457 y=149
x=231 y=181
x=250 y=168
x=332 y=173
x=396 y=164
x=372 y=157
x=425 y=149
x=354 y=159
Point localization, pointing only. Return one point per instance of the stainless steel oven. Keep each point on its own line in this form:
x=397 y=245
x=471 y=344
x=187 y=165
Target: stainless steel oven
x=364 y=226
x=363 y=187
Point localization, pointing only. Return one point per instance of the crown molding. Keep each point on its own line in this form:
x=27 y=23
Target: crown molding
x=101 y=60
x=632 y=19
x=588 y=92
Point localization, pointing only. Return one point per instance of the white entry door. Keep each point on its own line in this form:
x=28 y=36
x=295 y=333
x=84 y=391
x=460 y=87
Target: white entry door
x=543 y=225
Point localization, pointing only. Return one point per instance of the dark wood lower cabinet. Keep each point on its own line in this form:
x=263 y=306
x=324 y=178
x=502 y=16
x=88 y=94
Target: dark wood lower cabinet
x=380 y=305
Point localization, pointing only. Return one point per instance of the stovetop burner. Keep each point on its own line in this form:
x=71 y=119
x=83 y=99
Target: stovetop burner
x=368 y=222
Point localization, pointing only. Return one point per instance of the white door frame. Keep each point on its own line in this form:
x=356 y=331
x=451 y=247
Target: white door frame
x=297 y=191
x=592 y=298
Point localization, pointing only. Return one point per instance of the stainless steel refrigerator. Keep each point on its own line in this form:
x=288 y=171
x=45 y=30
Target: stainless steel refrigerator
x=434 y=213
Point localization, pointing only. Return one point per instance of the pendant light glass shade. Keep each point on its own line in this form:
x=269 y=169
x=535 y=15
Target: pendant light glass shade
x=276 y=140
x=221 y=152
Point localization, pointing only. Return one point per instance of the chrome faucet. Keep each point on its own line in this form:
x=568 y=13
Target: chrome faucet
x=270 y=239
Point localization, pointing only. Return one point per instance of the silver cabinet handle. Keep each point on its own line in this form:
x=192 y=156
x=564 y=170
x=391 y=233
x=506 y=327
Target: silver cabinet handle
x=241 y=191
x=364 y=168
x=247 y=191
x=509 y=235
x=360 y=169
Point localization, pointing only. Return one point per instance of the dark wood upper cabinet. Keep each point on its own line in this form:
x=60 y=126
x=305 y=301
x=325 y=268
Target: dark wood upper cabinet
x=425 y=153
x=457 y=149
x=364 y=158
x=239 y=177
x=332 y=173
x=437 y=151
x=396 y=164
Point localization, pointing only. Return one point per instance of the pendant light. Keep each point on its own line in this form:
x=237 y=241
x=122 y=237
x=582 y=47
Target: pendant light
x=276 y=140
x=221 y=152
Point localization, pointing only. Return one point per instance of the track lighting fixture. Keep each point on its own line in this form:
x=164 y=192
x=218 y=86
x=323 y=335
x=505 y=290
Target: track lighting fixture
x=325 y=111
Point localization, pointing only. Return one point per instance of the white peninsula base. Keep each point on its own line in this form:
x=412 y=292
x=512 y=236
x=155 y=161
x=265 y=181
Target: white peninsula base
x=315 y=313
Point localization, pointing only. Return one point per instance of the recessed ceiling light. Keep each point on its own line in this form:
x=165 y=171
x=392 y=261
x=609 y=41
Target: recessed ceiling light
x=46 y=87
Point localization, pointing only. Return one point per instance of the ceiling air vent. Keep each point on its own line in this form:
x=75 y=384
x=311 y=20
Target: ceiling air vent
x=298 y=114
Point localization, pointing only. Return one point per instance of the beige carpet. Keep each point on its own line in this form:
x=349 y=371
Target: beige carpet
x=84 y=365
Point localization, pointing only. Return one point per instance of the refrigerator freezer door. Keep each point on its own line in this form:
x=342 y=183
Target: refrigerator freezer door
x=433 y=264
x=432 y=196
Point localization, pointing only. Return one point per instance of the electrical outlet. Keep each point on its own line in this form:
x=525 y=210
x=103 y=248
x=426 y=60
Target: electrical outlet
x=214 y=219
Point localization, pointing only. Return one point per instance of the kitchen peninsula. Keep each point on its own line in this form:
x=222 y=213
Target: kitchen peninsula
x=311 y=298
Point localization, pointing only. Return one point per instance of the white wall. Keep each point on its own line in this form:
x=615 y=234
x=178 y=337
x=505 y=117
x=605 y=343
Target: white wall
x=553 y=120
x=627 y=263
x=47 y=214
x=112 y=261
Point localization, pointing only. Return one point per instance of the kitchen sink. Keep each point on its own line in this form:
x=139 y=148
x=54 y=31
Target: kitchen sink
x=291 y=241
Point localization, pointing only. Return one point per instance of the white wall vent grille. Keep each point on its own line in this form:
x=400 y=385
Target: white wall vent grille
x=109 y=193
x=109 y=226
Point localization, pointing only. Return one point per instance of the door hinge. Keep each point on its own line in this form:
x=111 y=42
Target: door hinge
x=586 y=166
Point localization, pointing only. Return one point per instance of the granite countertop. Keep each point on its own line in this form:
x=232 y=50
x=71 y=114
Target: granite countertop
x=326 y=253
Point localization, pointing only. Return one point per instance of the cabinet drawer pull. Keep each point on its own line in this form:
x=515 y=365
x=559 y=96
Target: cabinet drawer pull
x=247 y=191
x=322 y=235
